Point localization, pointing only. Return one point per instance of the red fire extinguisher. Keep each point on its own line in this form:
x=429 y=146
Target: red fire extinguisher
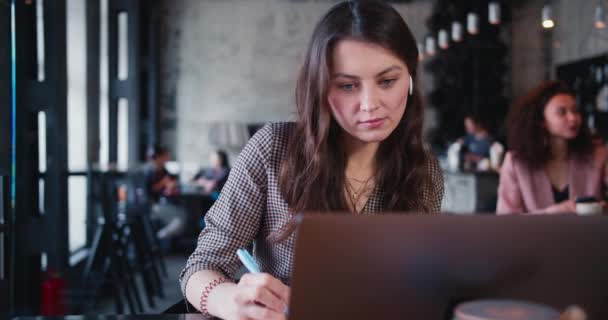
x=52 y=295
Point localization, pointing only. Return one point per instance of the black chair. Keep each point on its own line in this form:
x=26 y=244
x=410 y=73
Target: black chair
x=108 y=261
x=148 y=256
x=138 y=197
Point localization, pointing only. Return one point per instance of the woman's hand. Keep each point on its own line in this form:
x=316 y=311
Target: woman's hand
x=566 y=206
x=201 y=181
x=257 y=296
x=209 y=186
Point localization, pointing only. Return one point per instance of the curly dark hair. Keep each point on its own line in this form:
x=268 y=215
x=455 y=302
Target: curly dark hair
x=527 y=137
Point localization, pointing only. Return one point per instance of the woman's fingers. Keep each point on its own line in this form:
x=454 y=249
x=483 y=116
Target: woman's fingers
x=256 y=312
x=263 y=297
x=271 y=283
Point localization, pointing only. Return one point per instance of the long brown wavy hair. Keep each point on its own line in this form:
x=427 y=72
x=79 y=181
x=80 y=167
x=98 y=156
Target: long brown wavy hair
x=312 y=176
x=527 y=137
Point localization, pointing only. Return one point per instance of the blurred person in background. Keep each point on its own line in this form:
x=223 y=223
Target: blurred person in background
x=477 y=150
x=551 y=160
x=158 y=180
x=161 y=188
x=213 y=179
x=477 y=142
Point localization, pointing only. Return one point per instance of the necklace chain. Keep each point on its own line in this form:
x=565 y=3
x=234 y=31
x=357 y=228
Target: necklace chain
x=355 y=194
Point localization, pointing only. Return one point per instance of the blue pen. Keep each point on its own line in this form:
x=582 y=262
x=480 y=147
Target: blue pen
x=248 y=261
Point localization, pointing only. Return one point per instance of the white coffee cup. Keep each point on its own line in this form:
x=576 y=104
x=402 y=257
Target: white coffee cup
x=589 y=208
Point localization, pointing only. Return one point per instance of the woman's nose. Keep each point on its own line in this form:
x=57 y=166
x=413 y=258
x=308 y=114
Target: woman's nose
x=369 y=100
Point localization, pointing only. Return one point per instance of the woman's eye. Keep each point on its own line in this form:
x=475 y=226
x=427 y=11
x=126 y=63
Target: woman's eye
x=347 y=86
x=387 y=82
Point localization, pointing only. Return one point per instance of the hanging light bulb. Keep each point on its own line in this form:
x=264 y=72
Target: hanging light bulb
x=456 y=31
x=442 y=39
x=547 y=17
x=472 y=23
x=430 y=46
x=494 y=12
x=420 y=52
x=599 y=17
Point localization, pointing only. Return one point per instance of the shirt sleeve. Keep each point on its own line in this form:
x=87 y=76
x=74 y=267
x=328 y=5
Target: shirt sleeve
x=433 y=194
x=602 y=160
x=509 y=194
x=234 y=220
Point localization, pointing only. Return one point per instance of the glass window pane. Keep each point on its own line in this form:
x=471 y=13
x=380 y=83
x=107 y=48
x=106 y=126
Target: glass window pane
x=41 y=208
x=123 y=134
x=77 y=200
x=43 y=261
x=104 y=109
x=77 y=93
x=123 y=46
x=42 y=142
x=104 y=134
x=40 y=39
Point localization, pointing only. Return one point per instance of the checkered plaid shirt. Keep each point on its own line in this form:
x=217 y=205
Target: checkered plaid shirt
x=251 y=207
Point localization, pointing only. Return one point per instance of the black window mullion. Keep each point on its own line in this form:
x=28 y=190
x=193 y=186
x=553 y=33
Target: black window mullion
x=56 y=200
x=128 y=89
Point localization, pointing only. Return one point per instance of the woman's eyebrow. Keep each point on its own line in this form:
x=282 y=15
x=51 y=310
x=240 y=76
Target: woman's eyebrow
x=389 y=69
x=350 y=76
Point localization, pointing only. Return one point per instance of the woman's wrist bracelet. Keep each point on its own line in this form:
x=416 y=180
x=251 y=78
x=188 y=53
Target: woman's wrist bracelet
x=205 y=296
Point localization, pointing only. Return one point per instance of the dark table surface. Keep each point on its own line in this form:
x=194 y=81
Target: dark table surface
x=192 y=316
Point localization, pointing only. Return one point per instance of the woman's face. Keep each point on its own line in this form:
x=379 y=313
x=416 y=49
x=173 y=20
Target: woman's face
x=214 y=160
x=368 y=90
x=562 y=118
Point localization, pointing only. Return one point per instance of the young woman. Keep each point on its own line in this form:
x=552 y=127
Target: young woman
x=213 y=179
x=551 y=159
x=161 y=185
x=356 y=146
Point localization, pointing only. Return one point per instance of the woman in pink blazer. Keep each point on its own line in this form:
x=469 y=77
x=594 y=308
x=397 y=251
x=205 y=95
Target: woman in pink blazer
x=551 y=159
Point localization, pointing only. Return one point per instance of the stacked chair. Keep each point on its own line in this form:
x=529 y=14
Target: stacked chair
x=124 y=247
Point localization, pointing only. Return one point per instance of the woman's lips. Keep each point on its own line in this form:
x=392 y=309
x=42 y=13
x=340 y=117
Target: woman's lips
x=373 y=123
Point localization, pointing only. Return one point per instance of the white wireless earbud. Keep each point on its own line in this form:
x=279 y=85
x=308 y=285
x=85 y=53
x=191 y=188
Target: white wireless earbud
x=411 y=86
